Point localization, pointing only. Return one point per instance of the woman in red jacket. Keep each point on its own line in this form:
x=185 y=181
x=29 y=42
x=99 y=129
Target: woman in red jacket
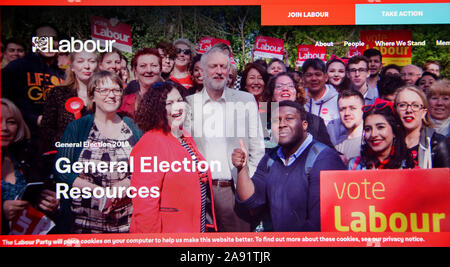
x=186 y=202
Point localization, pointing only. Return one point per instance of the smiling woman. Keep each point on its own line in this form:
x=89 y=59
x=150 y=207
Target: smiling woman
x=384 y=146
x=254 y=79
x=161 y=114
x=180 y=72
x=104 y=126
x=429 y=149
x=146 y=64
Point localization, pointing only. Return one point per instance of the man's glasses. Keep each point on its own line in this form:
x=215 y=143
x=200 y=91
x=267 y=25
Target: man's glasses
x=107 y=91
x=379 y=105
x=361 y=70
x=184 y=51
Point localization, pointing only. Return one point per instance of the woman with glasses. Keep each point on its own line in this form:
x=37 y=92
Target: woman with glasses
x=428 y=148
x=107 y=139
x=180 y=72
x=186 y=202
x=67 y=102
x=383 y=145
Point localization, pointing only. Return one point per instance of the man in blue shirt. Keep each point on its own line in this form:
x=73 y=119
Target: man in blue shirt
x=283 y=181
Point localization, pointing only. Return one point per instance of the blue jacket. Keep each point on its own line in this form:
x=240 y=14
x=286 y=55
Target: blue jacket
x=292 y=197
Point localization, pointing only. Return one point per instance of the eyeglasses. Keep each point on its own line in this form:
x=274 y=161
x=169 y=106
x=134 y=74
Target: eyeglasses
x=284 y=85
x=357 y=70
x=379 y=104
x=405 y=106
x=106 y=91
x=184 y=51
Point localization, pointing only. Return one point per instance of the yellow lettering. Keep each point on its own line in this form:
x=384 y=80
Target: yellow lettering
x=337 y=220
x=436 y=221
x=35 y=93
x=342 y=191
x=373 y=215
x=358 y=190
x=393 y=222
x=425 y=223
x=360 y=224
x=382 y=189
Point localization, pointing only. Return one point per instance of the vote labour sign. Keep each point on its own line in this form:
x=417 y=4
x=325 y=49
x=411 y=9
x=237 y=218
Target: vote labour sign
x=385 y=200
x=305 y=52
x=395 y=45
x=269 y=47
x=111 y=29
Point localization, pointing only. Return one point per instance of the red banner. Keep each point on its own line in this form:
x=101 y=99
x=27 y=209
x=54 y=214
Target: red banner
x=268 y=47
x=305 y=52
x=395 y=45
x=385 y=201
x=111 y=29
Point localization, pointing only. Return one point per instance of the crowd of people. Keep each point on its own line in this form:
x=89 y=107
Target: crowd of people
x=175 y=104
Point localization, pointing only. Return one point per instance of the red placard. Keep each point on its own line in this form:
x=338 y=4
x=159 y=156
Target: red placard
x=394 y=45
x=207 y=42
x=111 y=29
x=385 y=201
x=305 y=52
x=353 y=51
x=268 y=47
x=31 y=222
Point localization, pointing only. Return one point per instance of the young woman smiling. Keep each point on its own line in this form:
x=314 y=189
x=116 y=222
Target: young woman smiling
x=180 y=72
x=336 y=74
x=428 y=148
x=383 y=146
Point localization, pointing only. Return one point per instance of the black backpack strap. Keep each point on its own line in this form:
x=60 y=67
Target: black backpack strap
x=313 y=153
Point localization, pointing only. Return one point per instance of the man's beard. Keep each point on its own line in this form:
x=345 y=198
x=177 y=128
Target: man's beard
x=213 y=85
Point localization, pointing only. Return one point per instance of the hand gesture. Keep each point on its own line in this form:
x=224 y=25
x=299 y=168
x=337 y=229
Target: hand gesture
x=239 y=157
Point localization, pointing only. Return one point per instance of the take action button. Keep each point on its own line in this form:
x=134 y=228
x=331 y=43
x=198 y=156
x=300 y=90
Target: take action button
x=379 y=14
